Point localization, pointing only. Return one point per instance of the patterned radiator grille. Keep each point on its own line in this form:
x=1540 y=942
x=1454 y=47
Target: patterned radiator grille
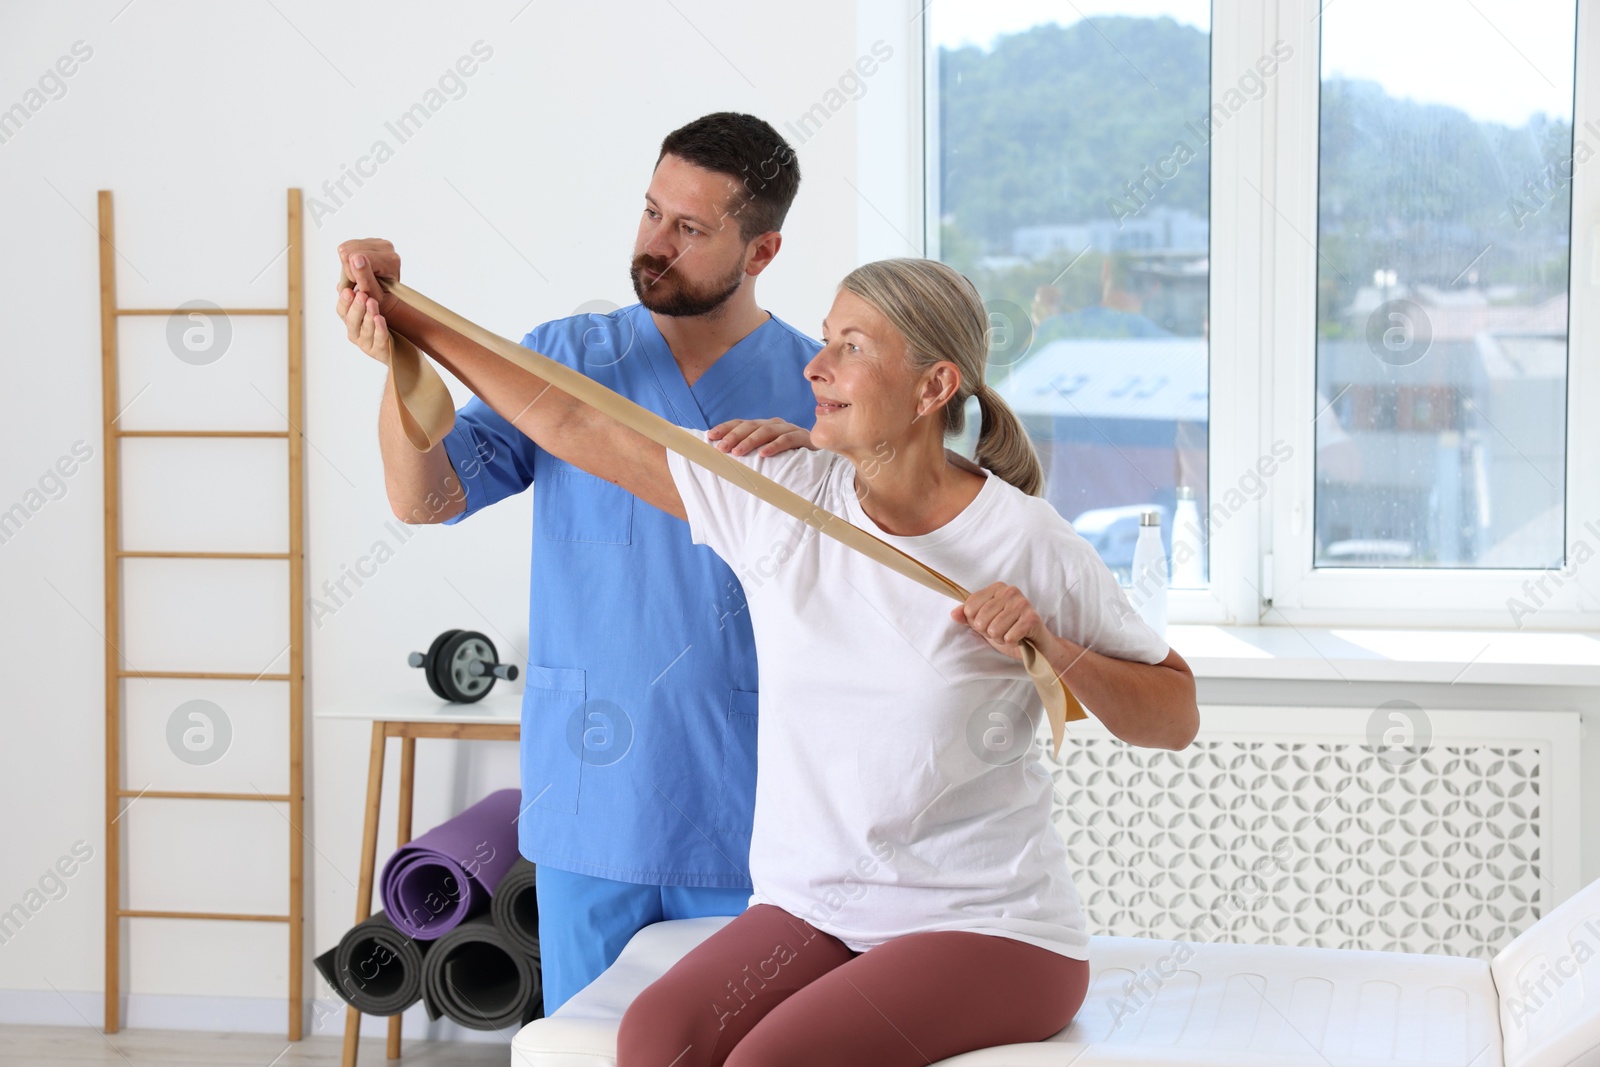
x=1284 y=841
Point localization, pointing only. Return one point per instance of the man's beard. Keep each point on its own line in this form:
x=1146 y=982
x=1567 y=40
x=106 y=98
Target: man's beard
x=670 y=294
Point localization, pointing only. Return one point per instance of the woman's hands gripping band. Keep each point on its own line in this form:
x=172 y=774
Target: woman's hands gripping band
x=1003 y=616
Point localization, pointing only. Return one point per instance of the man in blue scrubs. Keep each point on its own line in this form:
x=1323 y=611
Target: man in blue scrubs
x=639 y=712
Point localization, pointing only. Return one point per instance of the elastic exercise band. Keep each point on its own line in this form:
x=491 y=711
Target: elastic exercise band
x=427 y=413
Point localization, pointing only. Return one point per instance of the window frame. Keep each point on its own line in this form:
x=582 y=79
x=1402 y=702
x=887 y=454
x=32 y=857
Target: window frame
x=1450 y=597
x=1262 y=347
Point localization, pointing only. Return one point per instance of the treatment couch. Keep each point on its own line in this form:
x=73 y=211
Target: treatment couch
x=1200 y=1004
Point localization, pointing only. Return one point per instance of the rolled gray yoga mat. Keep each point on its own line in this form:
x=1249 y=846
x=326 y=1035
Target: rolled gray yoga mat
x=375 y=968
x=478 y=977
x=515 y=907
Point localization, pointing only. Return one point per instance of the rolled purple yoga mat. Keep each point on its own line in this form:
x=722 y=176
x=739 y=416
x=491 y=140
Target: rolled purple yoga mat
x=446 y=876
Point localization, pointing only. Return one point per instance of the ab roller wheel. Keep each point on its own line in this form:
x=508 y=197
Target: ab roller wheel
x=461 y=666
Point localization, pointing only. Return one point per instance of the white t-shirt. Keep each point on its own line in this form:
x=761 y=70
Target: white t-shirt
x=898 y=788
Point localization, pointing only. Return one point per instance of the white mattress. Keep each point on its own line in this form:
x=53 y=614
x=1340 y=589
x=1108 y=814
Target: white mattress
x=1224 y=1006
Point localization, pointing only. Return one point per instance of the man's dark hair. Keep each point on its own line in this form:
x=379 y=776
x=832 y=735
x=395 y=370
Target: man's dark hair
x=752 y=153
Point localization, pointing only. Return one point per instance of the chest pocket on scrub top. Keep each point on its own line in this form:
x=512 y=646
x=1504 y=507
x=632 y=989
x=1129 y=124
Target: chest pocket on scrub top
x=573 y=505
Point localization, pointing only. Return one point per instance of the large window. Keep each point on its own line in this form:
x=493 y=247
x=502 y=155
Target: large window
x=1443 y=240
x=1327 y=266
x=1070 y=174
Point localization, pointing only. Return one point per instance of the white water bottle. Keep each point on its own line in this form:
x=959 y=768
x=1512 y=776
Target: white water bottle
x=1188 y=543
x=1149 y=592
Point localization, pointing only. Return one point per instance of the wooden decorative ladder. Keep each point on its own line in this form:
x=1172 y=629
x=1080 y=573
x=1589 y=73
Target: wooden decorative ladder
x=116 y=670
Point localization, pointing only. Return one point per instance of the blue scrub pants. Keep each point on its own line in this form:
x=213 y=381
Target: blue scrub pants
x=584 y=921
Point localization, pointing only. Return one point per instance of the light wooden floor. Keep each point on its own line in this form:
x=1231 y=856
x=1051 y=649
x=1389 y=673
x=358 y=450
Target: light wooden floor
x=60 y=1046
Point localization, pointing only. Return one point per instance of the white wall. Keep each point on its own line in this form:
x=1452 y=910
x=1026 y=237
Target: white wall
x=514 y=204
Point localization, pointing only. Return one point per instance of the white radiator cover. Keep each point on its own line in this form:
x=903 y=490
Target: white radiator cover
x=1285 y=825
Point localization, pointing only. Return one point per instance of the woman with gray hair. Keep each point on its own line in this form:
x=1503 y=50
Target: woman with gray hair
x=912 y=900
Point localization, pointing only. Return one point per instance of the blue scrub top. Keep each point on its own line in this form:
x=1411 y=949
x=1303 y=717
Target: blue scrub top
x=639 y=710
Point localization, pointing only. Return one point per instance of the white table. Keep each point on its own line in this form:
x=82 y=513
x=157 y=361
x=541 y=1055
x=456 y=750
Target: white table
x=409 y=714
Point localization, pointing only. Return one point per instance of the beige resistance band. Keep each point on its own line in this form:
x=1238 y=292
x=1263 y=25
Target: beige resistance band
x=427 y=413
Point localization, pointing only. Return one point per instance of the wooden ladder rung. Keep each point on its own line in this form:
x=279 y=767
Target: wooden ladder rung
x=200 y=433
x=189 y=794
x=202 y=555
x=221 y=676
x=228 y=916
x=205 y=311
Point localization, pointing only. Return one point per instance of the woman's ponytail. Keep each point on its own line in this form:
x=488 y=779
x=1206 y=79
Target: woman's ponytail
x=1004 y=446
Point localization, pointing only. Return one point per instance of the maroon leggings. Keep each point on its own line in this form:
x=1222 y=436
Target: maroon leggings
x=770 y=990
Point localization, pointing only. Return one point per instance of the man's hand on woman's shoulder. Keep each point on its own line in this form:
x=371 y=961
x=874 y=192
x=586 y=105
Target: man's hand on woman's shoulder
x=739 y=437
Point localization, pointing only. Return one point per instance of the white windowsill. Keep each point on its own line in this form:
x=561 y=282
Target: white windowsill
x=1339 y=654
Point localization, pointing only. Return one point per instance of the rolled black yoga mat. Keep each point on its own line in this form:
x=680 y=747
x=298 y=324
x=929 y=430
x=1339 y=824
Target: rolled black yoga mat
x=515 y=909
x=478 y=977
x=375 y=968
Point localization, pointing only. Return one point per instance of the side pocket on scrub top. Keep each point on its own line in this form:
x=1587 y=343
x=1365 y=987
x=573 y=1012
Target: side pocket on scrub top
x=737 y=807
x=551 y=699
